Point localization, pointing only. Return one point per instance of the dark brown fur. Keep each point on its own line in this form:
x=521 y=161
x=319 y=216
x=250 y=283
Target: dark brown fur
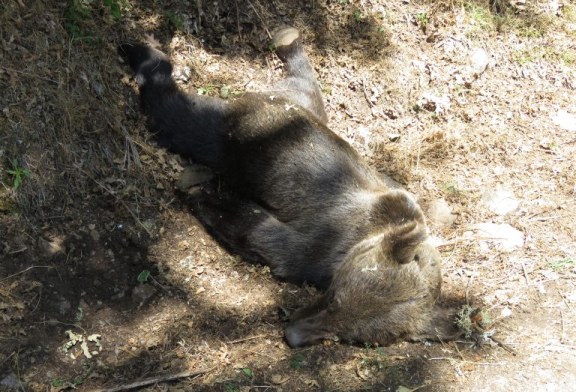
x=302 y=201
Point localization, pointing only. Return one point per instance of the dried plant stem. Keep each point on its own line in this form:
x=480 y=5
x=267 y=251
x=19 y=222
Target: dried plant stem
x=154 y=380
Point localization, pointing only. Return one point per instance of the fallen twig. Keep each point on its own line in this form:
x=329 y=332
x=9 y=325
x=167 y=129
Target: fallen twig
x=245 y=339
x=500 y=343
x=238 y=22
x=503 y=345
x=13 y=252
x=26 y=270
x=30 y=74
x=366 y=93
x=261 y=20
x=154 y=380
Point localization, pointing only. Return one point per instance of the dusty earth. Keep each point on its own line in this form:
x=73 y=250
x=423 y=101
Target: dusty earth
x=107 y=282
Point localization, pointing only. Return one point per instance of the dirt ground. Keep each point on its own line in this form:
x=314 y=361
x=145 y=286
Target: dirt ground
x=107 y=281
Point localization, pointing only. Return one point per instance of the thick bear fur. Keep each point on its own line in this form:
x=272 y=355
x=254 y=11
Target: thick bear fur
x=301 y=200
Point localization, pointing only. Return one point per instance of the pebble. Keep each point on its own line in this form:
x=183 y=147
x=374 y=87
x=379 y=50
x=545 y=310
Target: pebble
x=565 y=120
x=64 y=306
x=500 y=201
x=501 y=235
x=11 y=381
x=440 y=214
x=142 y=293
x=479 y=61
x=193 y=175
x=50 y=248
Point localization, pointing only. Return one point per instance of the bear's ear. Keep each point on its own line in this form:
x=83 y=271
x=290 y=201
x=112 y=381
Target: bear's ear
x=396 y=207
x=401 y=218
x=405 y=240
x=145 y=61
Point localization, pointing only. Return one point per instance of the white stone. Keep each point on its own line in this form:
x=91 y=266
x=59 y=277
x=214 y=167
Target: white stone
x=440 y=213
x=500 y=201
x=501 y=235
x=479 y=61
x=565 y=120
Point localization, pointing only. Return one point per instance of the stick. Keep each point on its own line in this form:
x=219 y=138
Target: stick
x=13 y=252
x=525 y=273
x=366 y=93
x=238 y=21
x=26 y=270
x=562 y=340
x=154 y=380
x=261 y=20
x=30 y=74
x=500 y=343
x=245 y=339
x=503 y=345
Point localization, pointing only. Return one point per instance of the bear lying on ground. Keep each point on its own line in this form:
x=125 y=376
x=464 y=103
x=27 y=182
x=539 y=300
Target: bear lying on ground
x=299 y=199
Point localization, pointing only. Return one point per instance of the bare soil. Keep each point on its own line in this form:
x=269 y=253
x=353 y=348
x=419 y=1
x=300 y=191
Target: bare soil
x=107 y=280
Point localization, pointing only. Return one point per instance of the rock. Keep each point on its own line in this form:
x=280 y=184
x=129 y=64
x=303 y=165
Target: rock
x=11 y=381
x=50 y=248
x=500 y=201
x=440 y=214
x=95 y=235
x=142 y=294
x=97 y=88
x=193 y=175
x=479 y=61
x=64 y=306
x=565 y=120
x=501 y=235
x=187 y=262
x=182 y=74
x=434 y=103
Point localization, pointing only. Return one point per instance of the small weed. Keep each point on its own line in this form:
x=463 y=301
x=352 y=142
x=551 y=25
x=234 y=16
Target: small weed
x=463 y=320
x=568 y=57
x=56 y=382
x=524 y=56
x=248 y=373
x=357 y=15
x=530 y=31
x=79 y=314
x=227 y=92
x=423 y=20
x=297 y=361
x=452 y=189
x=143 y=276
x=76 y=13
x=375 y=360
x=481 y=19
x=60 y=385
x=468 y=316
x=114 y=7
x=569 y=12
x=175 y=20
x=562 y=264
x=17 y=173
x=231 y=387
x=205 y=90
